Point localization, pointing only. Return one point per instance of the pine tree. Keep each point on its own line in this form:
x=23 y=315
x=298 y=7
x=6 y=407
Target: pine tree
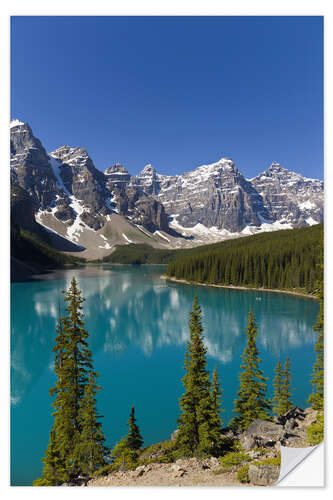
x=198 y=431
x=316 y=430
x=123 y=458
x=277 y=384
x=75 y=386
x=286 y=403
x=90 y=450
x=53 y=472
x=251 y=403
x=317 y=377
x=216 y=409
x=216 y=392
x=134 y=440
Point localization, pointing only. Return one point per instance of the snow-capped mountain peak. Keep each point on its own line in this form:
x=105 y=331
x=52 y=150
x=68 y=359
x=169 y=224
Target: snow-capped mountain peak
x=209 y=203
x=147 y=171
x=77 y=156
x=15 y=123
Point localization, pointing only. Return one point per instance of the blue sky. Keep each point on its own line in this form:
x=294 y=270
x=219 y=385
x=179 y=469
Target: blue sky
x=177 y=92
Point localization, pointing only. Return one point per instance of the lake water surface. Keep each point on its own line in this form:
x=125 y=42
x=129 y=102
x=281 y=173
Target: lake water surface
x=138 y=331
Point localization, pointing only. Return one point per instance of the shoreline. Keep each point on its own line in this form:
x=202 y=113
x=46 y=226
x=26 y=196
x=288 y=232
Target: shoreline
x=289 y=292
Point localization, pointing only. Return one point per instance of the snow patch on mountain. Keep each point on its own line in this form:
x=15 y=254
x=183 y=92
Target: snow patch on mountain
x=311 y=222
x=55 y=165
x=210 y=203
x=15 y=123
x=158 y=233
x=143 y=230
x=126 y=238
x=307 y=205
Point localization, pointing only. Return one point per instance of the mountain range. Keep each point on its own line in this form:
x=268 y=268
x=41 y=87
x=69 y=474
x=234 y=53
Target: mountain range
x=87 y=211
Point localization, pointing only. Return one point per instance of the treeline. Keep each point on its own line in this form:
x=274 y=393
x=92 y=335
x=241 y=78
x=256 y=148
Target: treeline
x=30 y=249
x=285 y=259
x=137 y=254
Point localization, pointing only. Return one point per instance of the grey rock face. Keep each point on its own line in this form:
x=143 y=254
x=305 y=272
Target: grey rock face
x=150 y=214
x=118 y=175
x=212 y=195
x=23 y=209
x=263 y=475
x=261 y=433
x=30 y=165
x=217 y=195
x=131 y=200
x=82 y=180
x=295 y=414
x=67 y=185
x=290 y=197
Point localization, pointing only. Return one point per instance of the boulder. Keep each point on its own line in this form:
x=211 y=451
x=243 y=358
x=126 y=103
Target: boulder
x=247 y=441
x=295 y=414
x=178 y=470
x=290 y=425
x=263 y=475
x=261 y=433
x=213 y=462
x=139 y=471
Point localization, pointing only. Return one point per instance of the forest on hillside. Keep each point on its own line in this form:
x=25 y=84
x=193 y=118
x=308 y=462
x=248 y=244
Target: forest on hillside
x=285 y=259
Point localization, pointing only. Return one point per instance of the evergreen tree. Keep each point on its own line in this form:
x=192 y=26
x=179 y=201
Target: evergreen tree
x=123 y=458
x=74 y=392
x=53 y=472
x=286 y=403
x=284 y=259
x=90 y=450
x=251 y=403
x=317 y=377
x=199 y=426
x=216 y=392
x=215 y=413
x=316 y=430
x=277 y=384
x=134 y=440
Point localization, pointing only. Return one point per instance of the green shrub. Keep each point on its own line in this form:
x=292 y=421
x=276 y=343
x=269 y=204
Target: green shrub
x=165 y=453
x=233 y=459
x=269 y=461
x=243 y=474
x=315 y=431
x=123 y=457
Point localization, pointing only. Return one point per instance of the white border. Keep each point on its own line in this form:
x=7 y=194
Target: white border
x=145 y=7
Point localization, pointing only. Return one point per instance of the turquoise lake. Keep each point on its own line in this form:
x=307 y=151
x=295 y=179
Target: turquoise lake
x=138 y=331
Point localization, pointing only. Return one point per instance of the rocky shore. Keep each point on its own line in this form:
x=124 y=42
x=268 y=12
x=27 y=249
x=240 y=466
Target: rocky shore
x=256 y=463
x=290 y=292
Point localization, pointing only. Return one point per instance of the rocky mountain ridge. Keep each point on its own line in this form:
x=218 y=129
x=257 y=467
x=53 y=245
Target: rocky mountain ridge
x=97 y=210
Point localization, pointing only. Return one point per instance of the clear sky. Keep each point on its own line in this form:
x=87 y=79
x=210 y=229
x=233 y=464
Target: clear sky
x=177 y=92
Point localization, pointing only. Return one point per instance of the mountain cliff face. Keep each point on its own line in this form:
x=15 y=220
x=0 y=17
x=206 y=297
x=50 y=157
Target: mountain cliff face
x=131 y=200
x=290 y=197
x=30 y=167
x=89 y=207
x=214 y=195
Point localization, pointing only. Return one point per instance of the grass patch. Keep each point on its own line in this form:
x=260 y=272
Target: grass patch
x=269 y=461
